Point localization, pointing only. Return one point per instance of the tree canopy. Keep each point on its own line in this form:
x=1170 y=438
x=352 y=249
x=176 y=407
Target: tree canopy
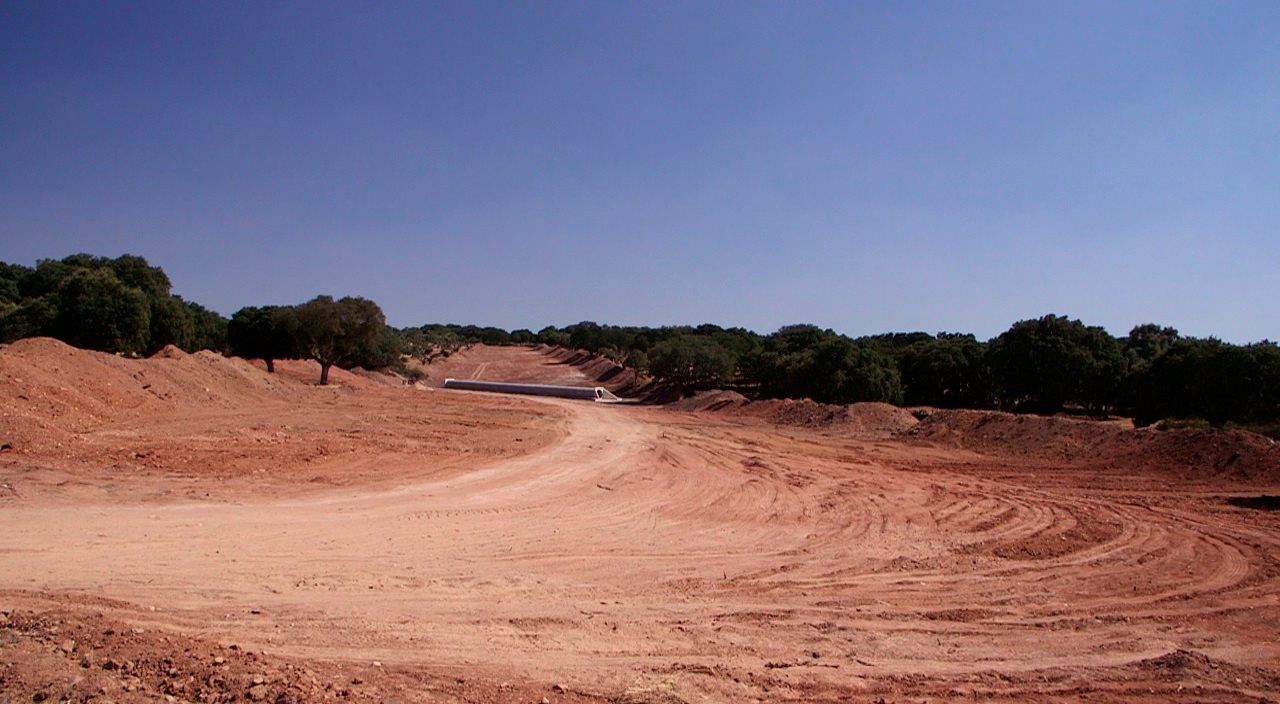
x=331 y=332
x=263 y=332
x=690 y=362
x=114 y=305
x=1045 y=364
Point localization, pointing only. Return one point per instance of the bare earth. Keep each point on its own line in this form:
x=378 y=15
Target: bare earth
x=373 y=543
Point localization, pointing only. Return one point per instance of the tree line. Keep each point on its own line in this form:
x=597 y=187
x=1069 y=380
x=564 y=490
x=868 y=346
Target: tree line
x=1044 y=365
x=125 y=305
x=114 y=305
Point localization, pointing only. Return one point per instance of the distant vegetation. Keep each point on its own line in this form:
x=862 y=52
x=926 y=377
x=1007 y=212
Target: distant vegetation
x=1046 y=365
x=114 y=305
x=349 y=332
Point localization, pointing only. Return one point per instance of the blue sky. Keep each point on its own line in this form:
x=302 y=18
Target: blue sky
x=863 y=166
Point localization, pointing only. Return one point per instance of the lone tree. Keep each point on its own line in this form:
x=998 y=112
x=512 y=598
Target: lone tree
x=638 y=362
x=265 y=333
x=329 y=331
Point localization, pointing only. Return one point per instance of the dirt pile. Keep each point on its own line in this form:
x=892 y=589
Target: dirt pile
x=1230 y=453
x=871 y=419
x=49 y=389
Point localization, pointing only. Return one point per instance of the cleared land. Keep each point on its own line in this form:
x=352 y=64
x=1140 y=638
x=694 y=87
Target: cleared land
x=489 y=548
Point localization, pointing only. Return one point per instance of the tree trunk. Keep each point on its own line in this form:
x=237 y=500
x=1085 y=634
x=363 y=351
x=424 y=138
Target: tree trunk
x=324 y=372
x=271 y=365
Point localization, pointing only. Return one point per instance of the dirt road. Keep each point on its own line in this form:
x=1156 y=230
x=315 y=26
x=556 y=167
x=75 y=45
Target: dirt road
x=647 y=555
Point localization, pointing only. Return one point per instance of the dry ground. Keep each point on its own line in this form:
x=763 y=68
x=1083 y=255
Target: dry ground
x=447 y=546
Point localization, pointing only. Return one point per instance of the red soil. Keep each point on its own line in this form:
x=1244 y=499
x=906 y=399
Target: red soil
x=861 y=419
x=1230 y=454
x=485 y=548
x=71 y=418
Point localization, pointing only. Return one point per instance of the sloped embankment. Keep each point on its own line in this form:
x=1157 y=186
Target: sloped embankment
x=603 y=371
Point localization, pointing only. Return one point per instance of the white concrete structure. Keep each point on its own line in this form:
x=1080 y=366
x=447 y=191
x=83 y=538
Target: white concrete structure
x=587 y=393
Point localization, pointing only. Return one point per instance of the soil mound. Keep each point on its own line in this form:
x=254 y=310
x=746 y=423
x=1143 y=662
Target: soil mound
x=49 y=390
x=858 y=418
x=170 y=352
x=1233 y=453
x=881 y=417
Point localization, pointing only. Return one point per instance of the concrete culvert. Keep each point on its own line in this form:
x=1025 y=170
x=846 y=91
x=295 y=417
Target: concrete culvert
x=587 y=393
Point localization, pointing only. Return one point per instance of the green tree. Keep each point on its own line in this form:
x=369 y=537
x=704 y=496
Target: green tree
x=617 y=355
x=383 y=351
x=638 y=362
x=1043 y=365
x=948 y=371
x=586 y=335
x=131 y=270
x=522 y=336
x=804 y=361
x=208 y=328
x=553 y=336
x=12 y=277
x=1213 y=380
x=267 y=333
x=170 y=320
x=171 y=323
x=691 y=362
x=96 y=311
x=329 y=331
x=1147 y=342
x=30 y=318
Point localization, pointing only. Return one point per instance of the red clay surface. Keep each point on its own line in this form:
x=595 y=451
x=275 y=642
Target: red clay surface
x=454 y=546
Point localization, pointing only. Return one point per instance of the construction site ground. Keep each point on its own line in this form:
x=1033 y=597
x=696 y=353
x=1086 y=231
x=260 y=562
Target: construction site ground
x=191 y=528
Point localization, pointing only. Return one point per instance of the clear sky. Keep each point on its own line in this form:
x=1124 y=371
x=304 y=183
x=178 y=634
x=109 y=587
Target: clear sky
x=863 y=166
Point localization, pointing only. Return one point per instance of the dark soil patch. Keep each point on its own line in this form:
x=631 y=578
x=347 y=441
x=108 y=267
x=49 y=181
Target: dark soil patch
x=1265 y=502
